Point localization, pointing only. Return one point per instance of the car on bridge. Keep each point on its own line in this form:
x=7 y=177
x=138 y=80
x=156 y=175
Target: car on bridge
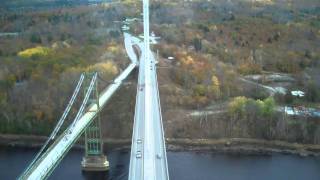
x=139 y=154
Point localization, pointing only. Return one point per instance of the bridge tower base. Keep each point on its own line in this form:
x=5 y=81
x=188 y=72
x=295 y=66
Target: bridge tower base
x=94 y=159
x=95 y=163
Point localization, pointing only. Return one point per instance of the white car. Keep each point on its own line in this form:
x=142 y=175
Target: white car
x=139 y=154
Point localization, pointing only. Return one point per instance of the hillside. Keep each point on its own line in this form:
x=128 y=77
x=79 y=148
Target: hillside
x=232 y=69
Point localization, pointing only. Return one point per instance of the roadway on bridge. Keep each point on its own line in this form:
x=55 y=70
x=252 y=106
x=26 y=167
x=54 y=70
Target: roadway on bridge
x=148 y=153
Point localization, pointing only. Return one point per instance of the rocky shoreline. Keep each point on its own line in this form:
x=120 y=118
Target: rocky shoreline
x=234 y=146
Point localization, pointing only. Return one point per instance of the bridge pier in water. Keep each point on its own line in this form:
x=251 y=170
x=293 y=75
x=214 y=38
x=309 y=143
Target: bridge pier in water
x=94 y=159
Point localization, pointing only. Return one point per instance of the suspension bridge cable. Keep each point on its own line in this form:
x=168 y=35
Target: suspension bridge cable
x=59 y=124
x=66 y=112
x=85 y=100
x=75 y=120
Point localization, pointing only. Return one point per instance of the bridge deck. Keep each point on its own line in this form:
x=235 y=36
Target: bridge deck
x=148 y=153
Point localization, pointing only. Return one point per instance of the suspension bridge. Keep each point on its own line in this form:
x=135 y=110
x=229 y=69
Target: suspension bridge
x=148 y=159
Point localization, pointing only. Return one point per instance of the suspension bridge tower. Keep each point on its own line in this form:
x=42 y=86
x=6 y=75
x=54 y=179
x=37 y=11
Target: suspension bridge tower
x=94 y=159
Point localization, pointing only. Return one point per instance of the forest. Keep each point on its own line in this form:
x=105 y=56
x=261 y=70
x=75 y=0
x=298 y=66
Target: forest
x=232 y=70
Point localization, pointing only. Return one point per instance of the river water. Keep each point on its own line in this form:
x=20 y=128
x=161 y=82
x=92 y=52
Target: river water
x=182 y=166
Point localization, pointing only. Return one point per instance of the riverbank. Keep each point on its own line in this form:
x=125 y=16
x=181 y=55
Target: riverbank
x=235 y=146
x=240 y=146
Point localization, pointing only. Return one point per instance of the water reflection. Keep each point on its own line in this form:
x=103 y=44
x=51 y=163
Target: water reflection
x=182 y=166
x=95 y=175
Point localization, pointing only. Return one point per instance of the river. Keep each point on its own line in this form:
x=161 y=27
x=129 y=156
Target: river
x=182 y=166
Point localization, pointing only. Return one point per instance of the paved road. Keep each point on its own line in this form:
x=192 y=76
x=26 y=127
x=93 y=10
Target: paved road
x=270 y=89
x=148 y=135
x=148 y=153
x=128 y=42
